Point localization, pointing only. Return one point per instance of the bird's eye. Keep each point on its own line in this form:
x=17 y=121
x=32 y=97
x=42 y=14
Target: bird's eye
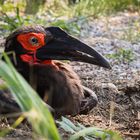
x=33 y=41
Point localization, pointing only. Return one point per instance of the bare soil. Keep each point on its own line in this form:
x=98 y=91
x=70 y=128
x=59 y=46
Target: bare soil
x=118 y=89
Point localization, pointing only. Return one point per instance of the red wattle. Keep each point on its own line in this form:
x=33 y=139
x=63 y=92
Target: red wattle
x=32 y=59
x=26 y=58
x=50 y=62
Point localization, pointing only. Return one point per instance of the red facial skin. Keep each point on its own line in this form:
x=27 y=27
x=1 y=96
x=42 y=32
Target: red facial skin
x=26 y=41
x=31 y=47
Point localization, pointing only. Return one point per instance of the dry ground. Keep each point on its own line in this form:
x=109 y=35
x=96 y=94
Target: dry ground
x=118 y=90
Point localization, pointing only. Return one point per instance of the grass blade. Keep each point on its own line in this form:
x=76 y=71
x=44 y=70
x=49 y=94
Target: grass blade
x=38 y=113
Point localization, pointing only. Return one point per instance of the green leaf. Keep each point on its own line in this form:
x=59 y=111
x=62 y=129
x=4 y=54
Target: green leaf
x=65 y=127
x=36 y=110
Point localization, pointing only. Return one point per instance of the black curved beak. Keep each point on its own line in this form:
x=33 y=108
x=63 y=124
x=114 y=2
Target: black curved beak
x=65 y=47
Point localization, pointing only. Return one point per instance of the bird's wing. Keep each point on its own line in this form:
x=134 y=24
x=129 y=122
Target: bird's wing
x=7 y=104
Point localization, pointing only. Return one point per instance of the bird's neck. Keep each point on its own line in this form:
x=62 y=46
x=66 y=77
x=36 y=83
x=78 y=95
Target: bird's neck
x=32 y=60
x=50 y=62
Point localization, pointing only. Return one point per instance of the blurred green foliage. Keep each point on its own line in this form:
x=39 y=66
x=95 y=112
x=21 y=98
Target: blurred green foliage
x=33 y=108
x=32 y=7
x=122 y=55
x=12 y=22
x=79 y=131
x=58 y=12
x=132 y=33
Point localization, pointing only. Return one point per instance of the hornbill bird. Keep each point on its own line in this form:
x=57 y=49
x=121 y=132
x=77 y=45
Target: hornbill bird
x=37 y=50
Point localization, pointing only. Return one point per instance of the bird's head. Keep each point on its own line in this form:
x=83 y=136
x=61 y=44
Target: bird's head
x=36 y=44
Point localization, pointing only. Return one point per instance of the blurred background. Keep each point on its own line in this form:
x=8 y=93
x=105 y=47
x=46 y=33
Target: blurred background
x=71 y=15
